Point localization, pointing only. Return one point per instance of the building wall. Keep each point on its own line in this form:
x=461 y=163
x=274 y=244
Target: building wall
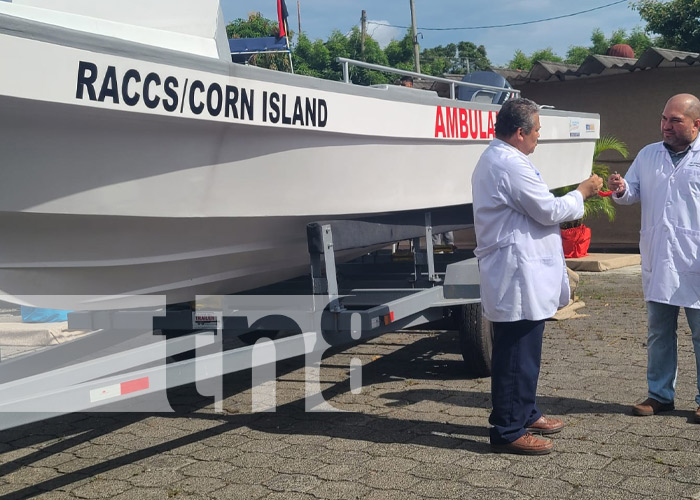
x=630 y=106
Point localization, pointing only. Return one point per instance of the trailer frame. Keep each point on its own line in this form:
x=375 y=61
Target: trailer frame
x=136 y=353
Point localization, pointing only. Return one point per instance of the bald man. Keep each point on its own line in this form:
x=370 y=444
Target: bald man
x=665 y=177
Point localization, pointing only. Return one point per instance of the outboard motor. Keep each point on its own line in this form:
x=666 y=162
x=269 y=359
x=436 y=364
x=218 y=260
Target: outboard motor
x=484 y=95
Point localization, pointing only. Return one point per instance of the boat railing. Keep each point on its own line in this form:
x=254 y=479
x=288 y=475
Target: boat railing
x=453 y=84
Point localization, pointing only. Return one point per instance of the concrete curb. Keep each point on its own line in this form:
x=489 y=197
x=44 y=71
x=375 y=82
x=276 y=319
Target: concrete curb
x=598 y=262
x=15 y=333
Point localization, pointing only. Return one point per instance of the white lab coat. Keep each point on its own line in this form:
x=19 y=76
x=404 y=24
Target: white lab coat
x=669 y=240
x=521 y=259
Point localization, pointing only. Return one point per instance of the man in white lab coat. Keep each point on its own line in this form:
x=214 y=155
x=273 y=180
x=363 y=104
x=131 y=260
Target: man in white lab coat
x=665 y=177
x=522 y=271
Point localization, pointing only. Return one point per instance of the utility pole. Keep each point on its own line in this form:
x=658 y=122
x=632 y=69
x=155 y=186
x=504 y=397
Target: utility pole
x=363 y=23
x=416 y=50
x=299 y=19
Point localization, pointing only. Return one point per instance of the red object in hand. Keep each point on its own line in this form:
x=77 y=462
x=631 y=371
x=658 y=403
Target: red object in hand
x=604 y=193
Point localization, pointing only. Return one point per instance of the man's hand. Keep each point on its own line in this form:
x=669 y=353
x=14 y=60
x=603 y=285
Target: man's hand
x=590 y=186
x=616 y=184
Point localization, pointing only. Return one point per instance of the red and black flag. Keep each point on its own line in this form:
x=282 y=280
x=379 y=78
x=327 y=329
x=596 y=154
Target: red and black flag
x=282 y=15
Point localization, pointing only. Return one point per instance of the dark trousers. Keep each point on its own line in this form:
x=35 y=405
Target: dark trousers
x=515 y=368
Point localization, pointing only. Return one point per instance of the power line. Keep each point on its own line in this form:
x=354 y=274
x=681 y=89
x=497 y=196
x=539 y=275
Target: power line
x=503 y=25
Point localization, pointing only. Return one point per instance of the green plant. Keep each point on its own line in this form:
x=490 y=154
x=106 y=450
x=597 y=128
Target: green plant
x=597 y=205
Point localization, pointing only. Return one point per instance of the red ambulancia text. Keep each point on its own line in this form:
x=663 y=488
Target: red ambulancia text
x=460 y=123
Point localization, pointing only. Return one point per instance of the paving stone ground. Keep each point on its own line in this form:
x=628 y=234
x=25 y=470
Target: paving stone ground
x=417 y=429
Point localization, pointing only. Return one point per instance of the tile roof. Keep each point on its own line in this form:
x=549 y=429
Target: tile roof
x=599 y=65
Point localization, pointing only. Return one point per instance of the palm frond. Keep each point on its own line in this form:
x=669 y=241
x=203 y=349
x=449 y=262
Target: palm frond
x=596 y=205
x=609 y=143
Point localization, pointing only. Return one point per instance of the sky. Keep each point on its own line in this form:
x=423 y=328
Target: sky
x=320 y=17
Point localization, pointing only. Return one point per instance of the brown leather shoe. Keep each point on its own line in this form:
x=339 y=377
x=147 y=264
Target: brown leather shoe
x=696 y=418
x=526 y=444
x=651 y=407
x=546 y=425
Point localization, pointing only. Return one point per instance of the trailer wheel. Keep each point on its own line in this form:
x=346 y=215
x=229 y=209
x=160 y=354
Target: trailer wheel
x=475 y=340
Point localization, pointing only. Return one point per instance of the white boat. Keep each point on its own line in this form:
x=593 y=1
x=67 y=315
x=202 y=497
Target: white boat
x=137 y=159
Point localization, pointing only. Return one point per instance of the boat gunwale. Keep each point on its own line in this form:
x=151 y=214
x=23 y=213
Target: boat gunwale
x=47 y=33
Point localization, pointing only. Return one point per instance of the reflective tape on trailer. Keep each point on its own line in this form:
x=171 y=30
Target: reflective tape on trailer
x=116 y=390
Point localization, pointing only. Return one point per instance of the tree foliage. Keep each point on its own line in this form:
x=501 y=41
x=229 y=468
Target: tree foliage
x=373 y=54
x=522 y=62
x=600 y=44
x=257 y=26
x=318 y=58
x=254 y=27
x=640 y=41
x=637 y=39
x=460 y=58
x=577 y=54
x=399 y=53
x=463 y=57
x=312 y=58
x=676 y=22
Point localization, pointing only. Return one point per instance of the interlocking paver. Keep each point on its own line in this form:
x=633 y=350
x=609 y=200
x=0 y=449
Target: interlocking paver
x=29 y=475
x=150 y=494
x=579 y=477
x=198 y=485
x=293 y=482
x=238 y=492
x=101 y=489
x=340 y=490
x=391 y=481
x=490 y=479
x=392 y=495
x=418 y=428
x=153 y=478
x=545 y=488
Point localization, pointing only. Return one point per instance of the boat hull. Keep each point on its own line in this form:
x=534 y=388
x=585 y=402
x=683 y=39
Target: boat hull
x=141 y=171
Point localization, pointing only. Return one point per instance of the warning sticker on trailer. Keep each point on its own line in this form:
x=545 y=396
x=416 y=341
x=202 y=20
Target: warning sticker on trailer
x=205 y=319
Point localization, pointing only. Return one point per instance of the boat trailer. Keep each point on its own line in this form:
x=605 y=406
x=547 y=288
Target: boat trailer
x=132 y=357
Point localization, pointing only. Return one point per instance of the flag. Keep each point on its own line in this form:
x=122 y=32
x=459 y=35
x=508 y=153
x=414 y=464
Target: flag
x=282 y=15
